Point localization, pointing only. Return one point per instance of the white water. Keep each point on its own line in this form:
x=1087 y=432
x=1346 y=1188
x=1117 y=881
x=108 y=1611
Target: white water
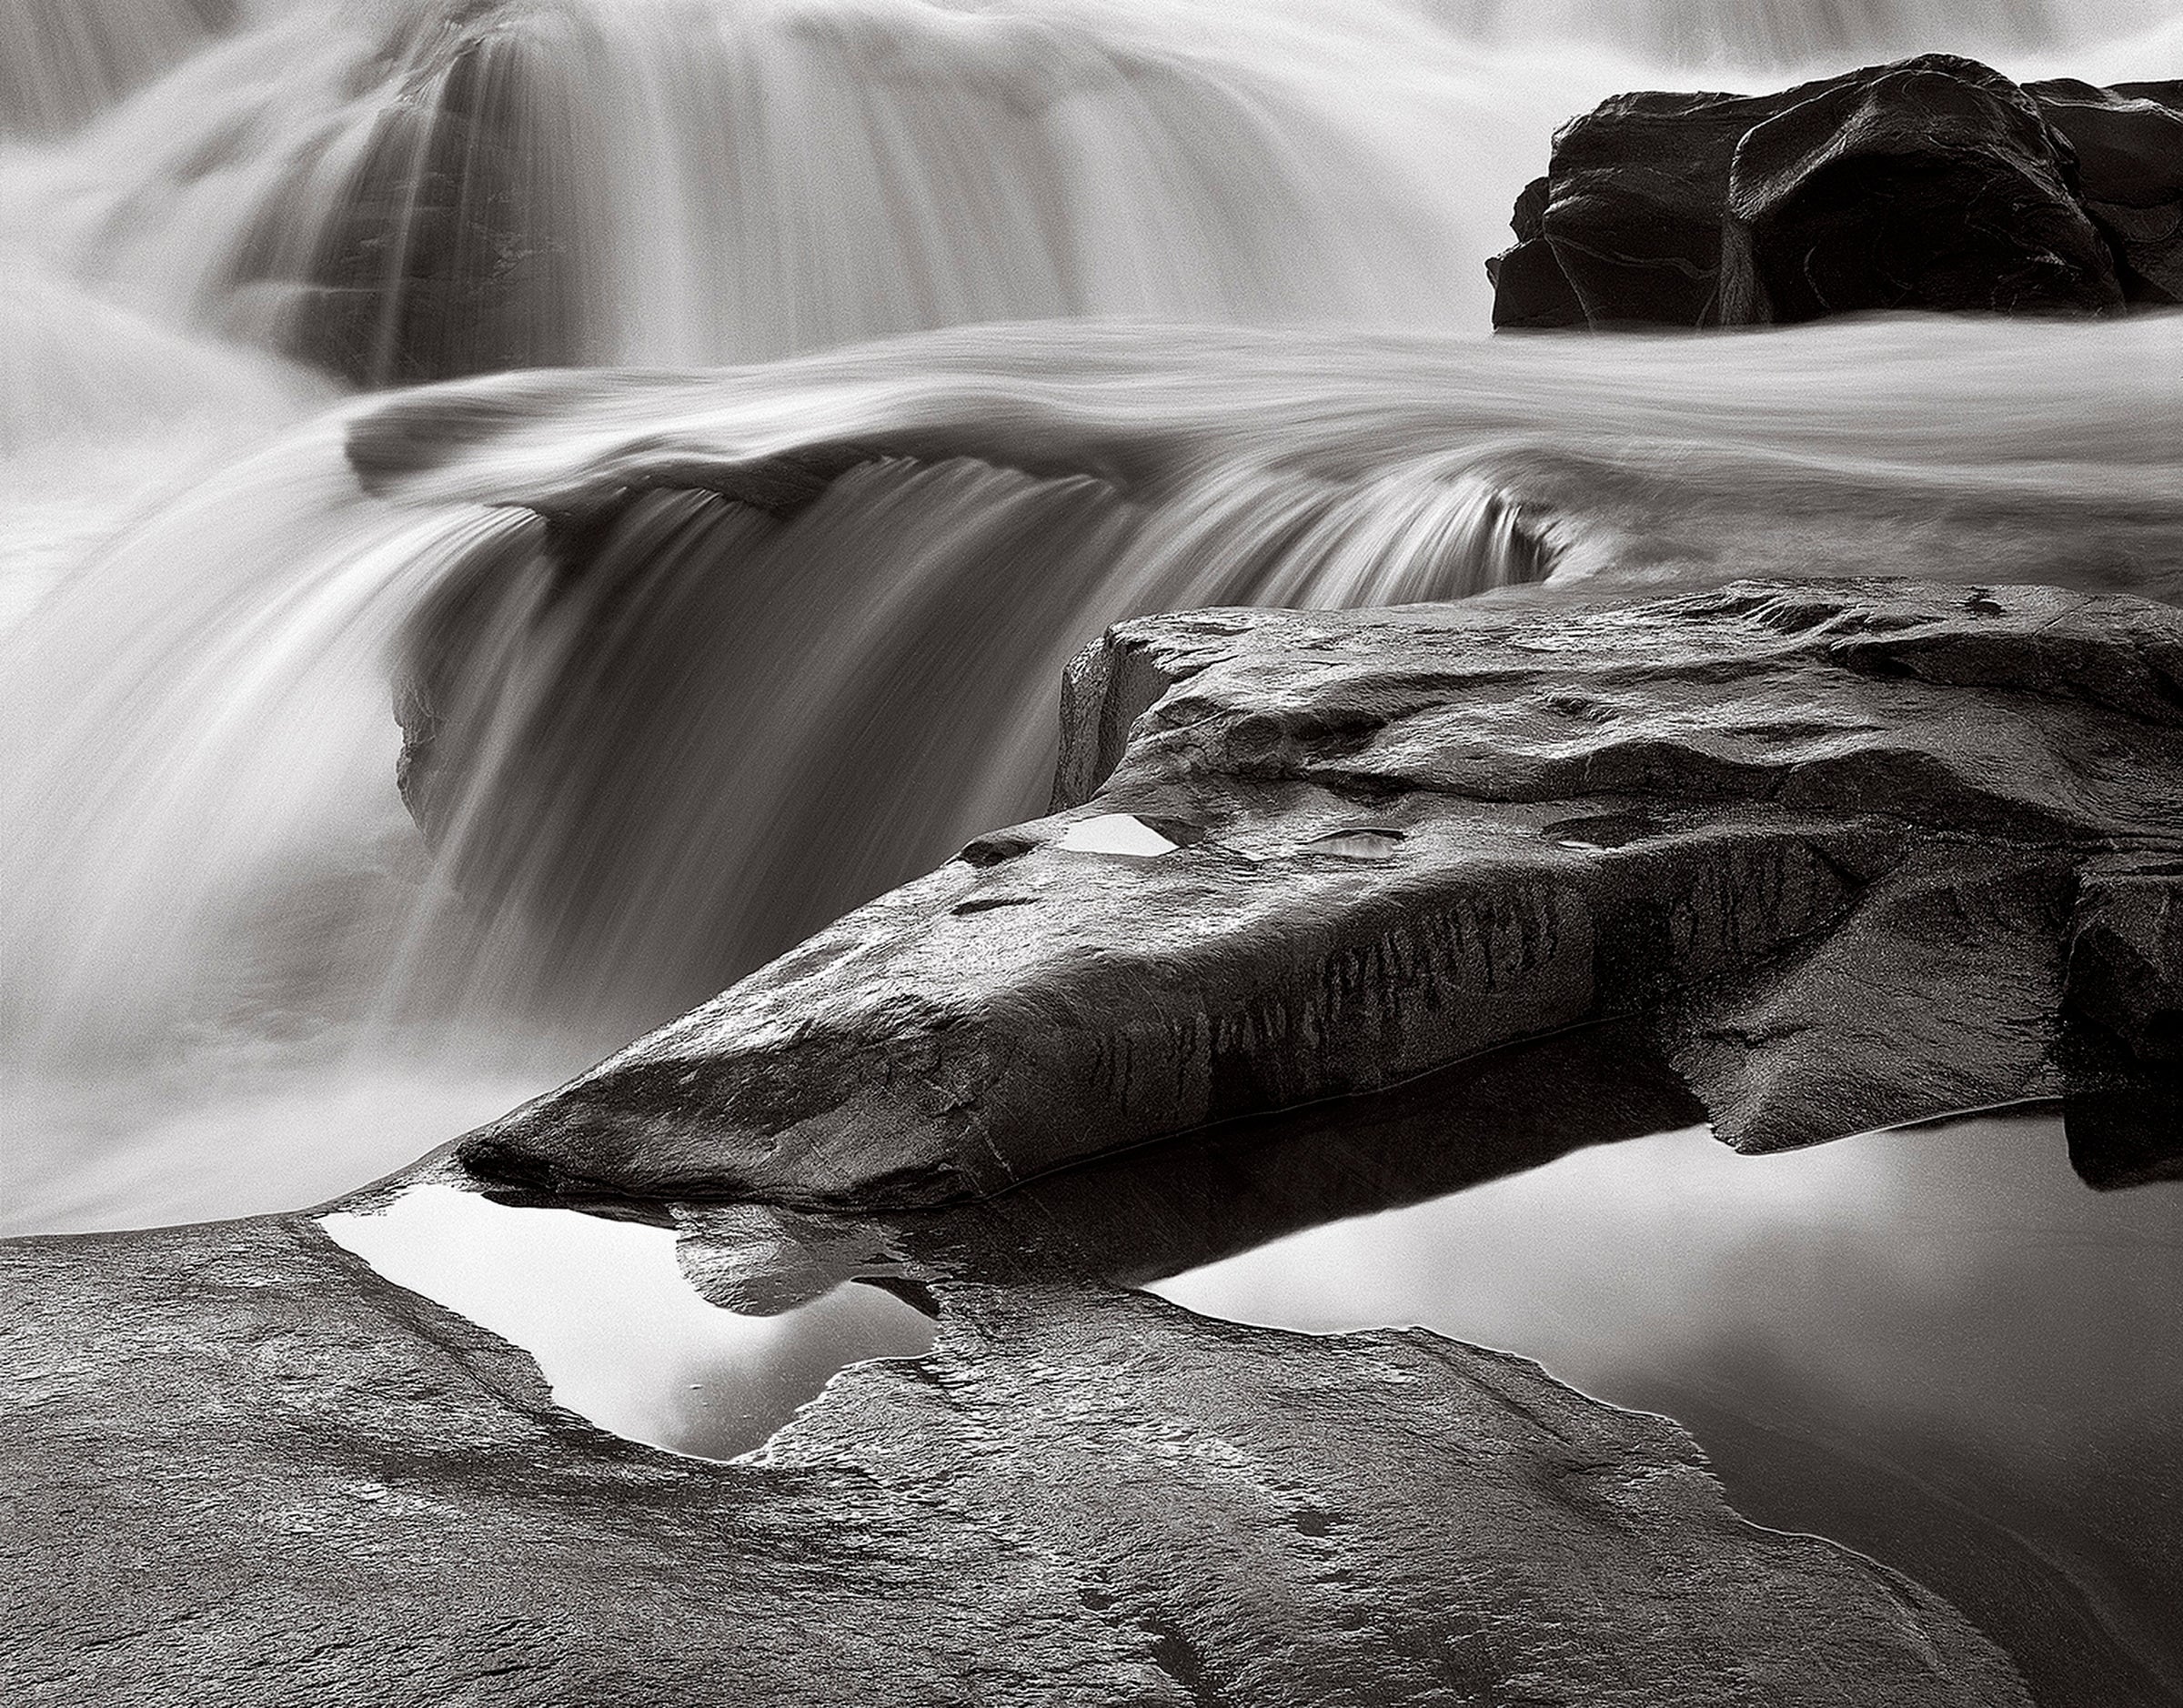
x=233 y=976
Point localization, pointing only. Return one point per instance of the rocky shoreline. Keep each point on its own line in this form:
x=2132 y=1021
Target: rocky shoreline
x=1826 y=856
x=308 y=1481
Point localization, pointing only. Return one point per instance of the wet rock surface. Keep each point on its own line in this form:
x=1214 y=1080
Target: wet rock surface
x=1934 y=183
x=306 y=1484
x=1858 y=853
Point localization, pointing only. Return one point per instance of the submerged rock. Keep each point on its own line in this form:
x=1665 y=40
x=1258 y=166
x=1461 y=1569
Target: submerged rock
x=1934 y=183
x=450 y=247
x=299 y=1482
x=1830 y=839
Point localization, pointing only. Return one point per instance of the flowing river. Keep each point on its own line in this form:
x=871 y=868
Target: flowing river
x=1034 y=315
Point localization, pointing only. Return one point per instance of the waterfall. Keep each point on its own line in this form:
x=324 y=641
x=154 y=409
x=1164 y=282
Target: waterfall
x=1172 y=307
x=406 y=191
x=62 y=61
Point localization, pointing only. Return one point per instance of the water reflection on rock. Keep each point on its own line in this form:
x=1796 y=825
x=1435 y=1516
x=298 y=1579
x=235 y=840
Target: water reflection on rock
x=618 y=1329
x=1937 y=1345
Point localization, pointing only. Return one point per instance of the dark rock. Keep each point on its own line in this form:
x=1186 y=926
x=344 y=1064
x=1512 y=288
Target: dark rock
x=244 y=1470
x=1530 y=289
x=2128 y=142
x=1633 y=205
x=2126 y=956
x=1934 y=183
x=2124 y=1139
x=1158 y=1210
x=1829 y=837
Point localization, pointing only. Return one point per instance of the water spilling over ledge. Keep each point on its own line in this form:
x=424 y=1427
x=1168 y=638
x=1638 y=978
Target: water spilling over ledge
x=1787 y=747
x=692 y=663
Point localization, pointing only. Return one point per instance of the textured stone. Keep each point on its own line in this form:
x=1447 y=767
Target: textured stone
x=1934 y=183
x=2128 y=142
x=244 y=1469
x=1828 y=837
x=1931 y=184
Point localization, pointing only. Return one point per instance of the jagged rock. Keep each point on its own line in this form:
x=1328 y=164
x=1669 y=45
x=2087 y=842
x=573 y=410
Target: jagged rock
x=1934 y=183
x=2126 y=956
x=244 y=1469
x=1530 y=288
x=1632 y=211
x=1829 y=837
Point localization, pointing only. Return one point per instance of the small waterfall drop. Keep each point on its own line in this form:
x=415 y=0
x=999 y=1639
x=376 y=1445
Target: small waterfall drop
x=689 y=662
x=63 y=61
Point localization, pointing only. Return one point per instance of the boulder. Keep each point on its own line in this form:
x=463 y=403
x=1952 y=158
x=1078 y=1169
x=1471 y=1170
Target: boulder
x=2128 y=142
x=1829 y=840
x=1932 y=183
x=1935 y=184
x=1633 y=206
x=1530 y=288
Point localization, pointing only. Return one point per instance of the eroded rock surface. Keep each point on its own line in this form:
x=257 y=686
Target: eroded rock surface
x=244 y=1469
x=1862 y=853
x=1934 y=183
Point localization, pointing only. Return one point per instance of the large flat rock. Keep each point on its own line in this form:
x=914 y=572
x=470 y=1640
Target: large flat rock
x=1859 y=852
x=242 y=1468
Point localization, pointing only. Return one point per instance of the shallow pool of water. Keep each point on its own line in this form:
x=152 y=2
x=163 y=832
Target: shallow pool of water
x=1938 y=1345
x=617 y=1328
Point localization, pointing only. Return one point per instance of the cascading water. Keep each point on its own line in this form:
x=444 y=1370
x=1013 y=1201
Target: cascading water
x=688 y=664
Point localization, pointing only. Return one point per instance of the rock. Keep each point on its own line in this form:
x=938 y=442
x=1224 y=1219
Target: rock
x=1530 y=288
x=244 y=1469
x=1934 y=183
x=1826 y=838
x=1633 y=201
x=2119 y=1139
x=450 y=249
x=2128 y=142
x=2126 y=956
